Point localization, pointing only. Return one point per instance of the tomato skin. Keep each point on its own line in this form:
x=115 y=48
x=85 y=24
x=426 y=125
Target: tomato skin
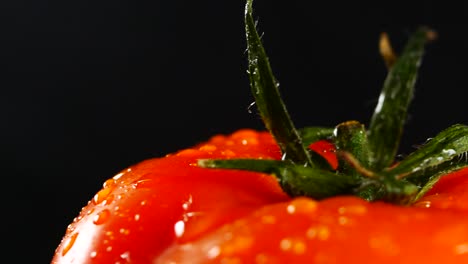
x=133 y=216
x=336 y=230
x=327 y=150
x=450 y=192
x=168 y=209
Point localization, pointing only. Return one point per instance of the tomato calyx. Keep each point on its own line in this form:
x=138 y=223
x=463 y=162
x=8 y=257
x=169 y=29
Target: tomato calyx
x=366 y=157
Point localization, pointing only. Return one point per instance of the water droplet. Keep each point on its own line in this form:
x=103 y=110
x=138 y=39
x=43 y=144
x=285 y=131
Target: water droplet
x=285 y=244
x=192 y=214
x=321 y=233
x=145 y=183
x=291 y=209
x=449 y=152
x=109 y=183
x=125 y=256
x=70 y=228
x=423 y=204
x=179 y=228
x=109 y=249
x=249 y=108
x=380 y=103
x=78 y=218
x=118 y=176
x=303 y=206
x=93 y=254
x=108 y=200
x=461 y=249
x=136 y=217
x=311 y=233
x=100 y=196
x=283 y=157
x=101 y=217
x=69 y=244
x=213 y=252
x=186 y=204
x=124 y=231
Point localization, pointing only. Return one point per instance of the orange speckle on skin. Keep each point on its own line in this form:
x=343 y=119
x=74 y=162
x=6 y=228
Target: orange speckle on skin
x=218 y=139
x=237 y=244
x=208 y=148
x=343 y=220
x=268 y=219
x=384 y=245
x=228 y=153
x=444 y=236
x=244 y=133
x=353 y=210
x=296 y=246
x=230 y=261
x=189 y=153
x=461 y=249
x=124 y=231
x=304 y=205
x=265 y=258
x=246 y=137
x=323 y=233
x=299 y=247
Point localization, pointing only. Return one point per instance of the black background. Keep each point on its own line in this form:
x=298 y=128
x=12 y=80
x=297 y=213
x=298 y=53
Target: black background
x=91 y=87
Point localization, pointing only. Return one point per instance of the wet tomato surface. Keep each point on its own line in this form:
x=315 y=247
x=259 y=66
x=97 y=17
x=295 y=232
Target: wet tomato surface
x=169 y=210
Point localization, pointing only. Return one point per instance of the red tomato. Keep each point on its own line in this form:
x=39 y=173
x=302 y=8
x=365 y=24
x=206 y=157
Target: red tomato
x=169 y=210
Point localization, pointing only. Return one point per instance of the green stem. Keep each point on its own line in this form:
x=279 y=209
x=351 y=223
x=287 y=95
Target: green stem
x=267 y=97
x=351 y=137
x=310 y=135
x=296 y=180
x=387 y=122
x=366 y=159
x=446 y=146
